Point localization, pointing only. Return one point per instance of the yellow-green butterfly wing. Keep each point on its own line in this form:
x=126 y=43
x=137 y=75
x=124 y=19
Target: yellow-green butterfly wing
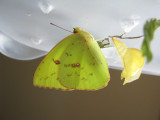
x=75 y=63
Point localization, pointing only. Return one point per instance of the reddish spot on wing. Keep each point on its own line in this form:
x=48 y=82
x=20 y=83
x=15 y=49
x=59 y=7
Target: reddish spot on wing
x=77 y=65
x=85 y=40
x=73 y=65
x=56 y=61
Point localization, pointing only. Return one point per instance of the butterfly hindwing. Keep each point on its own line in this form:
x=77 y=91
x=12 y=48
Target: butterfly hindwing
x=85 y=68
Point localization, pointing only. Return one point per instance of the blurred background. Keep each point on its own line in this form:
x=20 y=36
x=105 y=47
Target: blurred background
x=20 y=100
x=26 y=35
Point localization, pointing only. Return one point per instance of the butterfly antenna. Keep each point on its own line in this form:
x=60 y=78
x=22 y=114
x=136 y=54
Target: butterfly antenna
x=86 y=24
x=61 y=27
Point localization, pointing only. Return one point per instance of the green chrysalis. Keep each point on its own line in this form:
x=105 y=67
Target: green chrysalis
x=76 y=62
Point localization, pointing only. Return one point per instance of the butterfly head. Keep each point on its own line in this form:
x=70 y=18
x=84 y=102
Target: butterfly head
x=76 y=30
x=86 y=35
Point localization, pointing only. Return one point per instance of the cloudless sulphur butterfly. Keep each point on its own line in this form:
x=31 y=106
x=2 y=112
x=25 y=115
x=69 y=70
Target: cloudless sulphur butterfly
x=76 y=62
